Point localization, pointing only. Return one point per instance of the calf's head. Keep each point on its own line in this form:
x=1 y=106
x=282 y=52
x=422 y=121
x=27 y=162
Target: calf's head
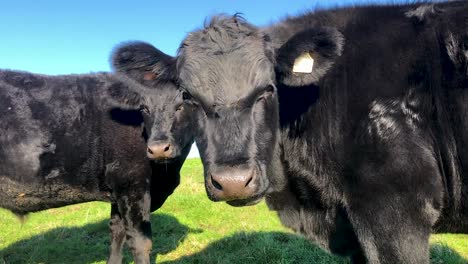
x=151 y=89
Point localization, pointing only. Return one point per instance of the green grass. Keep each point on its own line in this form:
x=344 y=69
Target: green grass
x=187 y=229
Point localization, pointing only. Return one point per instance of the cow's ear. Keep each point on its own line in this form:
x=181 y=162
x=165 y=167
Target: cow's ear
x=143 y=63
x=307 y=56
x=120 y=95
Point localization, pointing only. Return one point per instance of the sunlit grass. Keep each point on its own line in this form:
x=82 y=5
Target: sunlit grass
x=189 y=228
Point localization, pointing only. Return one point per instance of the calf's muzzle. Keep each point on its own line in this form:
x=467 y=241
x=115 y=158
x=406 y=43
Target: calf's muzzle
x=160 y=150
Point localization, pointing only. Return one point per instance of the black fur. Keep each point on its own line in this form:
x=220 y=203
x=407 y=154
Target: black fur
x=369 y=156
x=65 y=140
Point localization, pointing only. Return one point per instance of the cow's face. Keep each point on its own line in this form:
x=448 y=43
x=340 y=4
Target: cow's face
x=233 y=83
x=167 y=111
x=231 y=69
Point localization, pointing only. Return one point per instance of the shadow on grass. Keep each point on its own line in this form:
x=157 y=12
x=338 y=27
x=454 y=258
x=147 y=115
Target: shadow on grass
x=277 y=247
x=261 y=247
x=441 y=254
x=90 y=243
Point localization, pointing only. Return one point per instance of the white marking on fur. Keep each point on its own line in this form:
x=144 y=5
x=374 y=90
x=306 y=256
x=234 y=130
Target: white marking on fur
x=420 y=12
x=52 y=148
x=53 y=174
x=111 y=167
x=385 y=116
x=381 y=119
x=465 y=52
x=452 y=48
x=411 y=116
x=30 y=151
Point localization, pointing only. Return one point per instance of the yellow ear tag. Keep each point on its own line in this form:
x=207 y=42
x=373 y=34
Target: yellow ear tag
x=304 y=63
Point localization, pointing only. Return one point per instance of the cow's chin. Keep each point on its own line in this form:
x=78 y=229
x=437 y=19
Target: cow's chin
x=165 y=160
x=248 y=201
x=244 y=202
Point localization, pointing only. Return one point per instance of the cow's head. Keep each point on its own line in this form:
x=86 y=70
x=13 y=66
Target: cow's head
x=151 y=89
x=231 y=69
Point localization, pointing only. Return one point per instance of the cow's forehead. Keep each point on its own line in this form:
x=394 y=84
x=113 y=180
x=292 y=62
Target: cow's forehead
x=225 y=61
x=226 y=77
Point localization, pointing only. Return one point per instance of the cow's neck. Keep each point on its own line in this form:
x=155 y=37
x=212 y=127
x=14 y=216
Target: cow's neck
x=308 y=151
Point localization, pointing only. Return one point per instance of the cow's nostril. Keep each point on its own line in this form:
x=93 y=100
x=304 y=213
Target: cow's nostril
x=149 y=151
x=216 y=184
x=167 y=148
x=247 y=184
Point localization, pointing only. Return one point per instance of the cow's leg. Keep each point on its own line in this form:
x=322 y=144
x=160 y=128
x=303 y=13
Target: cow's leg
x=131 y=192
x=392 y=204
x=393 y=194
x=391 y=231
x=117 y=230
x=135 y=209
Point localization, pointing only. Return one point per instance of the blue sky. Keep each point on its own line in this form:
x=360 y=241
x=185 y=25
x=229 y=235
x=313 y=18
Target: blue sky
x=67 y=36
x=60 y=36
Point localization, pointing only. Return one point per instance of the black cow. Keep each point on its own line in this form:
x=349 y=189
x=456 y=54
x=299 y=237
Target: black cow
x=79 y=138
x=364 y=149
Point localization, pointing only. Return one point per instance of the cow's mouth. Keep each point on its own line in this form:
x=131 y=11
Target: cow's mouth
x=245 y=202
x=165 y=160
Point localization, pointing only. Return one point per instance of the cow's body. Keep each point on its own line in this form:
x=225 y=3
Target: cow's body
x=365 y=151
x=380 y=147
x=62 y=143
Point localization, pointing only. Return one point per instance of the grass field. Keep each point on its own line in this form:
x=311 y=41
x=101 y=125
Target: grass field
x=187 y=229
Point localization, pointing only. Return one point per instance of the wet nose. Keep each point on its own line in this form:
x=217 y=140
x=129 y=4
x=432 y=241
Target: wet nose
x=160 y=150
x=232 y=183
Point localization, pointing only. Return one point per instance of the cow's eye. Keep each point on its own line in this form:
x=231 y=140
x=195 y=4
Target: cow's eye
x=186 y=96
x=270 y=89
x=189 y=100
x=266 y=93
x=180 y=107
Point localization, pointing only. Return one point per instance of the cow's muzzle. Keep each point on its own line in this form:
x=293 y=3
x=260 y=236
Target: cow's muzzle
x=233 y=184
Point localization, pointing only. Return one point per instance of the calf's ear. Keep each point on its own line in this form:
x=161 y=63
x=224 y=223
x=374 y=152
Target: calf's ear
x=308 y=55
x=143 y=63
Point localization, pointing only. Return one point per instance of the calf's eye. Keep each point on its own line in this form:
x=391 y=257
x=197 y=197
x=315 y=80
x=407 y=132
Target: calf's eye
x=180 y=108
x=186 y=96
x=144 y=109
